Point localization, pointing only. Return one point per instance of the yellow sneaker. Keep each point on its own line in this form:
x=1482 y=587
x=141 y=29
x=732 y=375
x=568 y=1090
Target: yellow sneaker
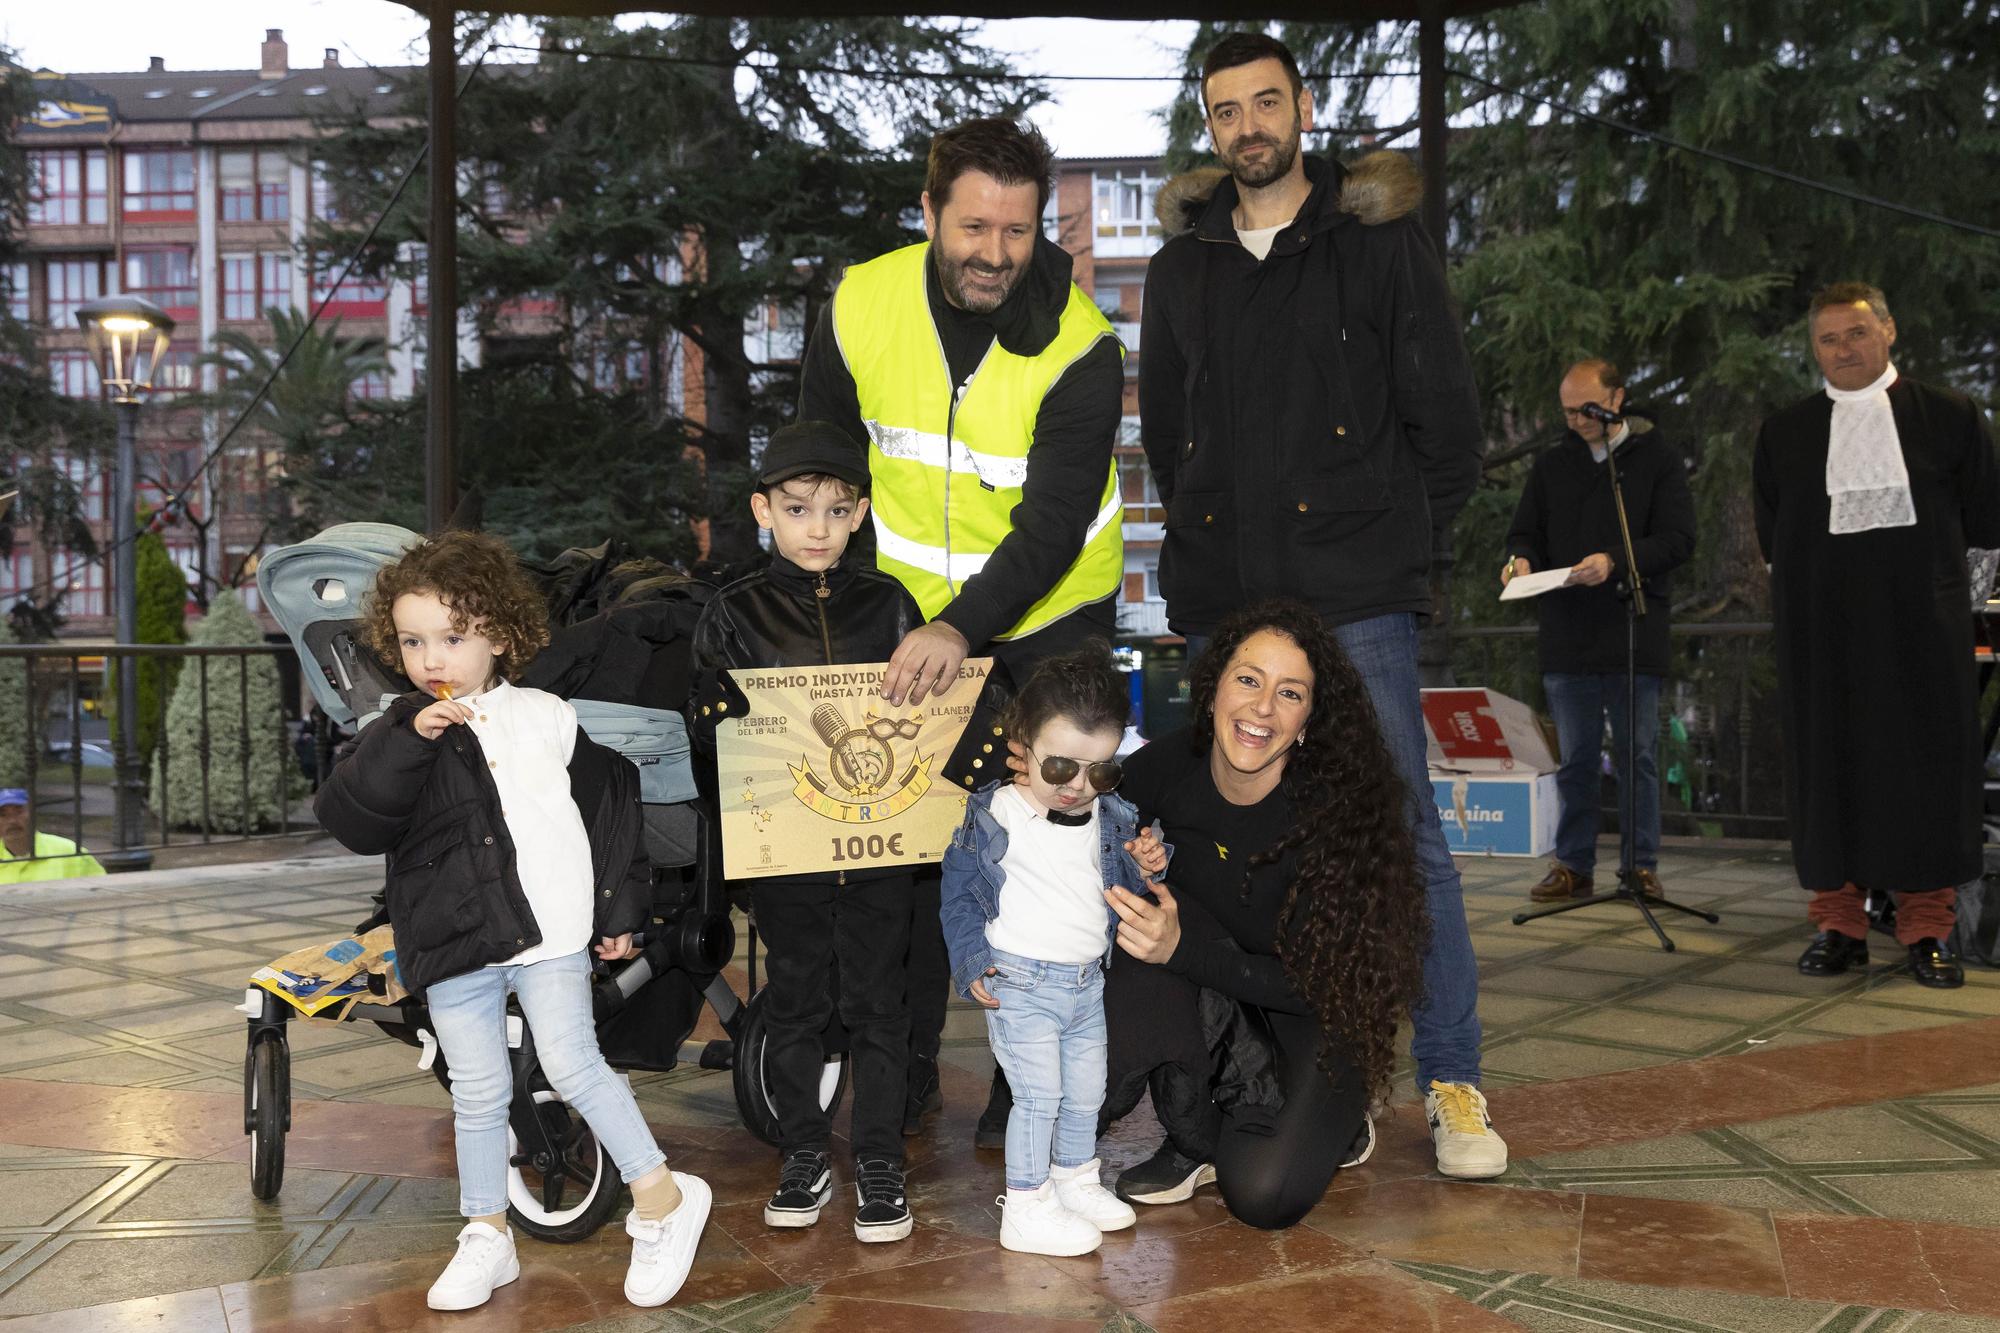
x=1463 y=1133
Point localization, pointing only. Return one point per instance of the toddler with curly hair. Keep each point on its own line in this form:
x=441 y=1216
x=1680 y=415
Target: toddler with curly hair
x=513 y=847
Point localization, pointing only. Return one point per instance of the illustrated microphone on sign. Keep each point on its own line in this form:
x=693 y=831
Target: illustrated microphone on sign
x=861 y=761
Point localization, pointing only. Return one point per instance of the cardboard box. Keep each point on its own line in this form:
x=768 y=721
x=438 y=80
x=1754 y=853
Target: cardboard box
x=1484 y=731
x=1496 y=814
x=1492 y=773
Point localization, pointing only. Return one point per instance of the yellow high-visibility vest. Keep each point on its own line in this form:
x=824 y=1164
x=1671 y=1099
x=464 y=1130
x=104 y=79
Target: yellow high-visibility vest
x=945 y=468
x=57 y=858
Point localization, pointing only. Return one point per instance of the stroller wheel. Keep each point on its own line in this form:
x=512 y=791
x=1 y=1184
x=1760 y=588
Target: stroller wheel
x=267 y=1089
x=753 y=1093
x=567 y=1193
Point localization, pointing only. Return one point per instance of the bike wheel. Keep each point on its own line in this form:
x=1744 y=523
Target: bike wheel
x=565 y=1195
x=753 y=1092
x=267 y=1083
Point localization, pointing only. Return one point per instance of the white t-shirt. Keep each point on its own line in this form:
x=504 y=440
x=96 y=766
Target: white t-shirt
x=528 y=737
x=1052 y=905
x=1257 y=240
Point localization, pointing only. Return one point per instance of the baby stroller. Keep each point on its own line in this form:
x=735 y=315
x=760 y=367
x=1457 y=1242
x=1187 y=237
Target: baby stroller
x=562 y=1184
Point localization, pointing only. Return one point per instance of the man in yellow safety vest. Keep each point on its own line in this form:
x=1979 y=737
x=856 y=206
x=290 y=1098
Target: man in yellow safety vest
x=26 y=854
x=988 y=390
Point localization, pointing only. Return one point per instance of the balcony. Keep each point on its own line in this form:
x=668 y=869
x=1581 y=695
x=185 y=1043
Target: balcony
x=1147 y=617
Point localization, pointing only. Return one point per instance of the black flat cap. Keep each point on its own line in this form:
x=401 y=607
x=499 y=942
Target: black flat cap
x=813 y=447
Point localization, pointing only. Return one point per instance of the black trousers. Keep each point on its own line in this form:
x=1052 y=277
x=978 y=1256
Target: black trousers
x=808 y=930
x=929 y=966
x=1268 y=1180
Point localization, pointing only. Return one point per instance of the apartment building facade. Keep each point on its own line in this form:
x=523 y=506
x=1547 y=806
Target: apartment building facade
x=1102 y=213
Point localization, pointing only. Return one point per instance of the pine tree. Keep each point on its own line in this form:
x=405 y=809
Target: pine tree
x=13 y=714
x=651 y=185
x=218 y=732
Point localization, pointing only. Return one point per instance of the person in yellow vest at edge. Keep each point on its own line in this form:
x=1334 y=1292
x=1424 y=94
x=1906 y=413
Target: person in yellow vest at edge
x=52 y=857
x=988 y=390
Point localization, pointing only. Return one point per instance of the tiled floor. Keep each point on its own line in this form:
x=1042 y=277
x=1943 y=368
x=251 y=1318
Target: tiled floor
x=1703 y=1140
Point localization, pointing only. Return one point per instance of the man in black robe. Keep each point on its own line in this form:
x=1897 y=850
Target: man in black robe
x=1867 y=498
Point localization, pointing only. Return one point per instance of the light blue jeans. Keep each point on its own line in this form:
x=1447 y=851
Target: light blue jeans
x=1048 y=1034
x=469 y=1016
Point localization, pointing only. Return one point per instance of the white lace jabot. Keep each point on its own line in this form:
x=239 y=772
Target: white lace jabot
x=1867 y=482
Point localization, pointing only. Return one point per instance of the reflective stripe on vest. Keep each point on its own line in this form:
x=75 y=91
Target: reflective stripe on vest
x=946 y=466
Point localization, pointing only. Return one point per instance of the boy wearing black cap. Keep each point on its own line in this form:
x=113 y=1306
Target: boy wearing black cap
x=810 y=607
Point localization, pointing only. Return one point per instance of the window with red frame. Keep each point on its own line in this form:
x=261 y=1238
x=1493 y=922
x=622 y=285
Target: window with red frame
x=359 y=295
x=159 y=182
x=252 y=283
x=254 y=185
x=67 y=186
x=165 y=277
x=67 y=284
x=15 y=276
x=74 y=374
x=371 y=386
x=80 y=581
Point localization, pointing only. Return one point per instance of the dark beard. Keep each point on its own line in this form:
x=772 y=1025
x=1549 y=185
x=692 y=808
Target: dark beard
x=951 y=277
x=1274 y=168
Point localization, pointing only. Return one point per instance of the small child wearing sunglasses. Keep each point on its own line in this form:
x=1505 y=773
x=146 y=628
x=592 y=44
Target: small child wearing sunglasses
x=1030 y=933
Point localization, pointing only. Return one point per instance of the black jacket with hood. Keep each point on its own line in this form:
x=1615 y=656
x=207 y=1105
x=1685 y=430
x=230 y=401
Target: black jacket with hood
x=1310 y=418
x=454 y=897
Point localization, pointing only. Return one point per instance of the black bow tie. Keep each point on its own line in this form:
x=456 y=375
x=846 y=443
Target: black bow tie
x=1065 y=820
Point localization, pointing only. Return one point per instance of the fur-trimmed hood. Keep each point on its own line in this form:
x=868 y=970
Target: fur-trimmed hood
x=1380 y=187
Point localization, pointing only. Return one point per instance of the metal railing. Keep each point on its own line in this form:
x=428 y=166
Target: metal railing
x=226 y=804
x=1720 y=754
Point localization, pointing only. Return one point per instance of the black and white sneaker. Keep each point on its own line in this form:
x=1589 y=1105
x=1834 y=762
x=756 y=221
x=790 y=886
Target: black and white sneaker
x=1363 y=1146
x=1165 y=1177
x=881 y=1212
x=804 y=1185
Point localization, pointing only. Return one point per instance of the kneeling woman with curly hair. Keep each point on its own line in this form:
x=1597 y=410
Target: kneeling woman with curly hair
x=1264 y=985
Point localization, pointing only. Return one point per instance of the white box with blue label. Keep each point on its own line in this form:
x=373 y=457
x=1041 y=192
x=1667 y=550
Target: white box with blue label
x=1492 y=773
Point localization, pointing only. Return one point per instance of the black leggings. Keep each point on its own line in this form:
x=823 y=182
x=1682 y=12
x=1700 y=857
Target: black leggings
x=1273 y=1180
x=1267 y=1180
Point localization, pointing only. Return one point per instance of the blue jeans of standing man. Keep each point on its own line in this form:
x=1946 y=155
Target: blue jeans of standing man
x=1579 y=704
x=469 y=1015
x=1446 y=1045
x=1048 y=1034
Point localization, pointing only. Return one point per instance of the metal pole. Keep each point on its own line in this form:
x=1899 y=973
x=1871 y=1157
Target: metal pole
x=441 y=354
x=1430 y=115
x=129 y=789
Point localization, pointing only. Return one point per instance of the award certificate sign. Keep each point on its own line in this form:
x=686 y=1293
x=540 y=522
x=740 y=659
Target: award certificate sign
x=821 y=774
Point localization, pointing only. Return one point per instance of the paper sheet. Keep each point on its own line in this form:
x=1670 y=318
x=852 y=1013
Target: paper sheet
x=1534 y=585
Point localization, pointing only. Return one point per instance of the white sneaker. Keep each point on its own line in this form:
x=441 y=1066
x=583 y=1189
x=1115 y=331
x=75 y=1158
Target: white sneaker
x=663 y=1251
x=1035 y=1222
x=485 y=1260
x=1079 y=1189
x=1463 y=1133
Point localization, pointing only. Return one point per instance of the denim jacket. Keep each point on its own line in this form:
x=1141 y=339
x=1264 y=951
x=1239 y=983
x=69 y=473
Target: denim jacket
x=974 y=876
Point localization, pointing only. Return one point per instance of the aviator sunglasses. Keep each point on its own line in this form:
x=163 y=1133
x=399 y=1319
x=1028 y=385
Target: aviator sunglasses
x=1058 y=770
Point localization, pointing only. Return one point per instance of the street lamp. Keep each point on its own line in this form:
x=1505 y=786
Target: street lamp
x=128 y=339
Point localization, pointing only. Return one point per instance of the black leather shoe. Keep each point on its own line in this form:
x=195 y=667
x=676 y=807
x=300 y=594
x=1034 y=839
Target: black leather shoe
x=991 y=1131
x=1832 y=953
x=925 y=1099
x=1932 y=966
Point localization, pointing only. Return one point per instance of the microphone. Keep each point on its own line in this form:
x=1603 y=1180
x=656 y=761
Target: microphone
x=1601 y=414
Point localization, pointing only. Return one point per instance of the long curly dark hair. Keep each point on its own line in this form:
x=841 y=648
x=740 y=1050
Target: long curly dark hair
x=1353 y=925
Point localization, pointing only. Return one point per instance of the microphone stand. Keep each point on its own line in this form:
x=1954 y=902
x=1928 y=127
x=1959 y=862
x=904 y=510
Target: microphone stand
x=1634 y=595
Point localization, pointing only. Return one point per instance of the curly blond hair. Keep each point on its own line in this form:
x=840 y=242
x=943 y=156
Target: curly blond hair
x=480 y=583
